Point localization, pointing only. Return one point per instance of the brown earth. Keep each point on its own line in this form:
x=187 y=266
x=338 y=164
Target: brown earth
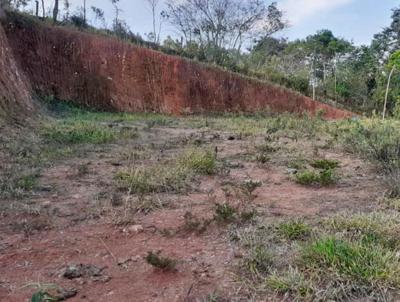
x=15 y=101
x=69 y=219
x=109 y=74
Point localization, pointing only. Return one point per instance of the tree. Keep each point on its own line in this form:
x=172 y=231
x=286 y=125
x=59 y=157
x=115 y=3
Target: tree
x=98 y=14
x=153 y=6
x=393 y=65
x=117 y=11
x=67 y=5
x=84 y=12
x=224 y=24
x=43 y=9
x=55 y=10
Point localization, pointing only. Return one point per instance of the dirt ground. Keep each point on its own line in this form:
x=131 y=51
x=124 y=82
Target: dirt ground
x=77 y=216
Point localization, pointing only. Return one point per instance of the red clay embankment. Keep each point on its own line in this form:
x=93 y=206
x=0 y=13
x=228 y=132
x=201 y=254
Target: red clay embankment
x=109 y=74
x=15 y=100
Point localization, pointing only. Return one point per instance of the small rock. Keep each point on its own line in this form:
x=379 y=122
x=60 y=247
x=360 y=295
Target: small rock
x=82 y=270
x=46 y=204
x=45 y=188
x=65 y=294
x=136 y=229
x=103 y=279
x=292 y=171
x=237 y=254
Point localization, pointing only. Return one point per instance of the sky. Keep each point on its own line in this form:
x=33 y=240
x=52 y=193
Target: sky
x=355 y=20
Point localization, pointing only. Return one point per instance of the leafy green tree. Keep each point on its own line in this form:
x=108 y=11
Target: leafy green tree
x=393 y=65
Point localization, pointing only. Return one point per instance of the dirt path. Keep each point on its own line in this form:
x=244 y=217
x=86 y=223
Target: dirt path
x=69 y=221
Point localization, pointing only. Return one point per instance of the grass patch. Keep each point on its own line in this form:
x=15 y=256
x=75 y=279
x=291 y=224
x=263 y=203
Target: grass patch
x=164 y=263
x=259 y=261
x=325 y=164
x=375 y=228
x=324 y=178
x=378 y=141
x=368 y=265
x=224 y=212
x=172 y=176
x=153 y=179
x=78 y=133
x=294 y=230
x=199 y=161
x=292 y=283
x=195 y=224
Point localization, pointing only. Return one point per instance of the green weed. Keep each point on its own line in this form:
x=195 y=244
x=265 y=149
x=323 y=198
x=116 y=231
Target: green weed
x=259 y=261
x=163 y=263
x=325 y=177
x=153 y=179
x=325 y=164
x=199 y=161
x=365 y=264
x=224 y=212
x=294 y=230
x=78 y=133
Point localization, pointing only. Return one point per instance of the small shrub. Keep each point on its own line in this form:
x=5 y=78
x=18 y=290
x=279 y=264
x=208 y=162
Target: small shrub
x=224 y=212
x=249 y=185
x=262 y=158
x=325 y=164
x=264 y=152
x=27 y=183
x=194 y=224
x=294 y=230
x=199 y=161
x=307 y=178
x=297 y=164
x=266 y=148
x=259 y=261
x=325 y=177
x=246 y=216
x=163 y=263
x=43 y=296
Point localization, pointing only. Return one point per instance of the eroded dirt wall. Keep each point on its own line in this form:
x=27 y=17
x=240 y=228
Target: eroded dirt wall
x=15 y=99
x=108 y=74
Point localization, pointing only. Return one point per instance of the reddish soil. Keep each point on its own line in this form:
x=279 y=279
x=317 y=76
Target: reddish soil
x=109 y=74
x=15 y=99
x=73 y=223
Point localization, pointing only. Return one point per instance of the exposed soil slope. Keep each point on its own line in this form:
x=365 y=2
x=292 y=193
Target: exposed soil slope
x=14 y=93
x=109 y=74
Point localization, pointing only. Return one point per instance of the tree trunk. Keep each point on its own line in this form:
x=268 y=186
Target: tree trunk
x=84 y=12
x=55 y=11
x=387 y=93
x=43 y=10
x=153 y=10
x=37 y=8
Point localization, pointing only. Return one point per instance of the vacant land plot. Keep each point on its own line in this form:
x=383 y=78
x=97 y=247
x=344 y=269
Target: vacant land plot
x=145 y=207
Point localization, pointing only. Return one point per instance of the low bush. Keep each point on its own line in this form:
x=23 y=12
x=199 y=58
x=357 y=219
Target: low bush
x=325 y=164
x=164 y=263
x=325 y=177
